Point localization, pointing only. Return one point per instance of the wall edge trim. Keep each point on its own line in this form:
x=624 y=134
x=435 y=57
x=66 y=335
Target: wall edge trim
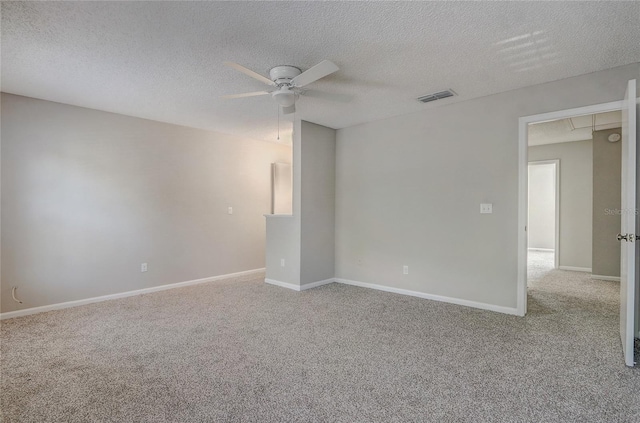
x=316 y=284
x=575 y=269
x=281 y=284
x=85 y=301
x=440 y=298
x=606 y=278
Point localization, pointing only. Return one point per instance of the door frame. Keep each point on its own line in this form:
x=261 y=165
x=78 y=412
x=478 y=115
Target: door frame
x=556 y=235
x=523 y=163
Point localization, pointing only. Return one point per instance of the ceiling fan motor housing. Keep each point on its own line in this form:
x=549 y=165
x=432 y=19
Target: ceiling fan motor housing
x=286 y=81
x=283 y=74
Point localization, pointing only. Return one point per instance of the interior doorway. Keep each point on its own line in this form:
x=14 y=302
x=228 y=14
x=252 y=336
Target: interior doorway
x=543 y=224
x=575 y=253
x=625 y=218
x=573 y=228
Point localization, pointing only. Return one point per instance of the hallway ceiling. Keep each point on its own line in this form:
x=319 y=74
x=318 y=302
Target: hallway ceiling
x=163 y=60
x=577 y=128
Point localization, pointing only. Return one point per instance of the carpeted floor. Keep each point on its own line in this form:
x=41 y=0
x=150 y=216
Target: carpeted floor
x=244 y=351
x=539 y=264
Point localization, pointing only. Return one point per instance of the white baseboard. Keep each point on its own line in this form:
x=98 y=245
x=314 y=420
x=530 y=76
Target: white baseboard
x=299 y=287
x=546 y=250
x=606 y=278
x=283 y=284
x=467 y=303
x=69 y=304
x=458 y=301
x=575 y=269
x=76 y=303
x=316 y=284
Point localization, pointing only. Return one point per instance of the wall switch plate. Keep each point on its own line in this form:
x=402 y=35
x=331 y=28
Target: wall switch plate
x=282 y=262
x=486 y=208
x=230 y=210
x=405 y=270
x=143 y=267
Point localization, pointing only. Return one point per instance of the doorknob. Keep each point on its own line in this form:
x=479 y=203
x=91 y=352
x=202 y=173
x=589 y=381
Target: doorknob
x=628 y=237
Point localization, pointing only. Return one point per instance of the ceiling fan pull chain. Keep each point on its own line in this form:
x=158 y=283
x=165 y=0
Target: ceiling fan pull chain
x=278 y=107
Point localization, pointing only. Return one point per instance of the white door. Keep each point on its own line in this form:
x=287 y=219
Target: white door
x=628 y=226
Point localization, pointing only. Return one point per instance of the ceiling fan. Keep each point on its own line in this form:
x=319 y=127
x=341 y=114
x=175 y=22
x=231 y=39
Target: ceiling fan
x=286 y=82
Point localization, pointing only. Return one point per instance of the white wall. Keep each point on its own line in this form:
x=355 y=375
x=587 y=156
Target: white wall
x=576 y=198
x=408 y=190
x=87 y=196
x=282 y=185
x=541 y=228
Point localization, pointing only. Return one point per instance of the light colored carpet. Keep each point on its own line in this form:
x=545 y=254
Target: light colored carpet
x=539 y=264
x=249 y=352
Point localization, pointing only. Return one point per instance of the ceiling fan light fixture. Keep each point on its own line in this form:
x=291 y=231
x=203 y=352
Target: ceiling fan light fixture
x=284 y=97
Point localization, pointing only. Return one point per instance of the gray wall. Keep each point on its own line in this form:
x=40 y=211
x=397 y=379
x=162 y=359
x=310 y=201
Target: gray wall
x=576 y=198
x=607 y=161
x=318 y=203
x=306 y=240
x=283 y=232
x=87 y=196
x=541 y=227
x=283 y=242
x=408 y=190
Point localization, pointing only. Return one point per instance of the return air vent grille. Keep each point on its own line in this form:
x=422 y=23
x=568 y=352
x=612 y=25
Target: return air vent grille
x=436 y=96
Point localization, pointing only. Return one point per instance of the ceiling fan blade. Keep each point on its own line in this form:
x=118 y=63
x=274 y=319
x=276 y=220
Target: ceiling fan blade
x=250 y=73
x=320 y=70
x=289 y=110
x=341 y=98
x=253 y=94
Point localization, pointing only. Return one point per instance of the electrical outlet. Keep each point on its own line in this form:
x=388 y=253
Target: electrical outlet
x=486 y=208
x=282 y=262
x=143 y=267
x=230 y=210
x=405 y=270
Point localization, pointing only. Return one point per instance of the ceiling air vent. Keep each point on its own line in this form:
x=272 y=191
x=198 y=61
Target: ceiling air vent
x=436 y=96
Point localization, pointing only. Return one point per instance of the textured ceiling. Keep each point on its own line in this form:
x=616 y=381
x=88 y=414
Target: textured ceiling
x=578 y=128
x=163 y=60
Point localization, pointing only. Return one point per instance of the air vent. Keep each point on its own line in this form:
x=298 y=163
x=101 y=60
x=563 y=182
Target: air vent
x=436 y=96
